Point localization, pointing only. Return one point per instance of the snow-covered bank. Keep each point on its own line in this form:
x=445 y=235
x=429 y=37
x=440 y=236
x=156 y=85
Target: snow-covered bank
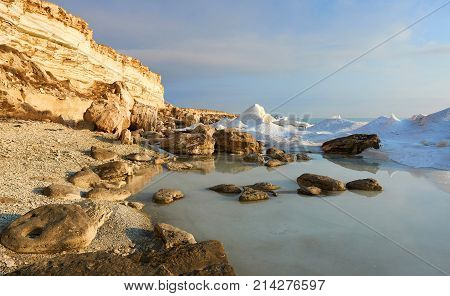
x=421 y=141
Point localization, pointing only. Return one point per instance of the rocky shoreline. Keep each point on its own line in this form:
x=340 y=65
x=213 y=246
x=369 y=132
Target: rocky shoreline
x=36 y=155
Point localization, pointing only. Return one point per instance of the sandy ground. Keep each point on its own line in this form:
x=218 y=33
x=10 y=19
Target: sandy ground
x=34 y=155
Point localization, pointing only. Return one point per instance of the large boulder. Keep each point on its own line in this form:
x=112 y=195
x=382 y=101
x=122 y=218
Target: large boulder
x=108 y=116
x=236 y=142
x=50 y=229
x=189 y=143
x=364 y=184
x=351 y=145
x=323 y=182
x=143 y=117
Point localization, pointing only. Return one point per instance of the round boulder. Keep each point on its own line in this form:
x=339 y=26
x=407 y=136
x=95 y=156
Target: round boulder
x=253 y=195
x=102 y=154
x=50 y=229
x=166 y=196
x=364 y=184
x=274 y=163
x=114 y=169
x=60 y=191
x=85 y=179
x=322 y=182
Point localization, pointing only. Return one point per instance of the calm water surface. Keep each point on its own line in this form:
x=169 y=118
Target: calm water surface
x=405 y=230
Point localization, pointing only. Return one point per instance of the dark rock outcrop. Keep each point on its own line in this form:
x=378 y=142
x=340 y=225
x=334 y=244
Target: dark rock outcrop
x=351 y=145
x=364 y=184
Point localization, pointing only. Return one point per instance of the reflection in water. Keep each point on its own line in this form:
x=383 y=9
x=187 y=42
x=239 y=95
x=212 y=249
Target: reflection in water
x=439 y=178
x=354 y=163
x=337 y=235
x=141 y=178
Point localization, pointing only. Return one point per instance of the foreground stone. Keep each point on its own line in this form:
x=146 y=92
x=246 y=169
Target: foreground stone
x=60 y=191
x=108 y=115
x=272 y=163
x=322 y=182
x=108 y=194
x=173 y=236
x=113 y=170
x=236 y=142
x=205 y=258
x=309 y=190
x=364 y=184
x=102 y=154
x=351 y=145
x=167 y=196
x=85 y=179
x=250 y=194
x=226 y=188
x=50 y=229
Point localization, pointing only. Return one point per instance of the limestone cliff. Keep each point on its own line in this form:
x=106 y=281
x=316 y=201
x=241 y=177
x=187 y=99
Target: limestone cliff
x=51 y=68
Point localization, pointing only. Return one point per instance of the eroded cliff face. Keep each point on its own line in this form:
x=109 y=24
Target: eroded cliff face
x=51 y=68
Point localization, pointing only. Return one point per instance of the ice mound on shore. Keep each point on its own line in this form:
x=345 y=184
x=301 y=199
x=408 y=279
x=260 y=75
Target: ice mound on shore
x=420 y=141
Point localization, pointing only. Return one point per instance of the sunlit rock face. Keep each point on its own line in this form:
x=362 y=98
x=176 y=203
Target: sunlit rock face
x=51 y=68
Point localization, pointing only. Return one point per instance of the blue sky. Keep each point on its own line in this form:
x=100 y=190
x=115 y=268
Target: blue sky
x=230 y=54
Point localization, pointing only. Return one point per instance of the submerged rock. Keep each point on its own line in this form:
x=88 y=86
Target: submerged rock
x=166 y=196
x=60 y=191
x=250 y=194
x=102 y=154
x=271 y=163
x=226 y=188
x=173 y=236
x=364 y=184
x=50 y=229
x=322 y=182
x=85 y=179
x=351 y=145
x=108 y=194
x=309 y=190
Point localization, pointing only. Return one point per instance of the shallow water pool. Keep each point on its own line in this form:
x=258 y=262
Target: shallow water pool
x=403 y=230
